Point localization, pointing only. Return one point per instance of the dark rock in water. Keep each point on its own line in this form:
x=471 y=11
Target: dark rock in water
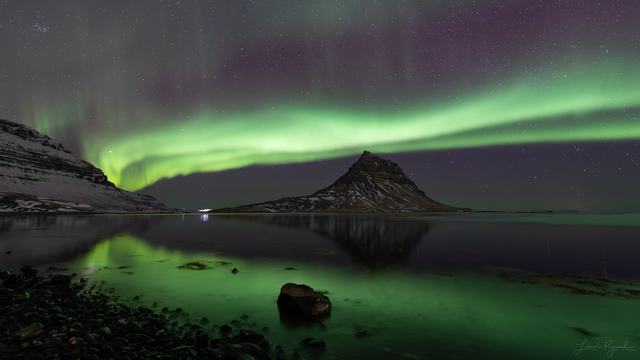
x=194 y=265
x=583 y=331
x=311 y=343
x=302 y=300
x=234 y=271
x=362 y=333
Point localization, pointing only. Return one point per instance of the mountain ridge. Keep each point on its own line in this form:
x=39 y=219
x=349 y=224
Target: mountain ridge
x=372 y=184
x=38 y=174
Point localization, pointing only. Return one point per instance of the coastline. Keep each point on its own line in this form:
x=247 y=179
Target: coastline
x=60 y=317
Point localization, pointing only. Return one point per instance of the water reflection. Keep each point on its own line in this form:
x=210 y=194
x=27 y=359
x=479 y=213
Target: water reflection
x=411 y=313
x=375 y=241
x=30 y=222
x=42 y=241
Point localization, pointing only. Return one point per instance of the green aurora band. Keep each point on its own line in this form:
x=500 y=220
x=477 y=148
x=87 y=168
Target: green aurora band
x=579 y=104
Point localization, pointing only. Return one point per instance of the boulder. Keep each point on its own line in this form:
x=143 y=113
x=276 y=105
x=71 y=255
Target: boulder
x=29 y=271
x=28 y=332
x=302 y=300
x=15 y=279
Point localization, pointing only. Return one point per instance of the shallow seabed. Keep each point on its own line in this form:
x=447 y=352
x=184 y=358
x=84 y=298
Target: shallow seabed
x=431 y=287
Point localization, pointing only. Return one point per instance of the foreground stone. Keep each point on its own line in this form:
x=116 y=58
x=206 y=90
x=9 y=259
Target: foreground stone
x=302 y=300
x=58 y=318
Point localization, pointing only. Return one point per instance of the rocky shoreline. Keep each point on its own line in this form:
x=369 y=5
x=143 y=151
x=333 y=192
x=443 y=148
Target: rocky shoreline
x=60 y=317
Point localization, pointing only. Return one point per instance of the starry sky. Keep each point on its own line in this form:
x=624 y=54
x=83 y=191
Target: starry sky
x=488 y=104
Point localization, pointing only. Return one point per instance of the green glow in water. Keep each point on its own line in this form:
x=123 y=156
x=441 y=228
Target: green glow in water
x=412 y=315
x=562 y=106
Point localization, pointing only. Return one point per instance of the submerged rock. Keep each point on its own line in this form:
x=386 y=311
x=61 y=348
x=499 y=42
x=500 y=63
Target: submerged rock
x=584 y=331
x=362 y=333
x=194 y=265
x=301 y=300
x=311 y=343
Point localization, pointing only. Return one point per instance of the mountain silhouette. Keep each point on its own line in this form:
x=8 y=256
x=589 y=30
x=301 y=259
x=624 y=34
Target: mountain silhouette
x=372 y=184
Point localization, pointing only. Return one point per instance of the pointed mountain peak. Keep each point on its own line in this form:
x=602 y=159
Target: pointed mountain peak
x=370 y=166
x=372 y=184
x=368 y=155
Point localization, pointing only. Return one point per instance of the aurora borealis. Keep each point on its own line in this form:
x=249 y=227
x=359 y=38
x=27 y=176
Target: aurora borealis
x=512 y=105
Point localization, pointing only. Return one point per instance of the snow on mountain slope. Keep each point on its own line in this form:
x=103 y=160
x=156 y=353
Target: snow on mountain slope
x=35 y=166
x=372 y=184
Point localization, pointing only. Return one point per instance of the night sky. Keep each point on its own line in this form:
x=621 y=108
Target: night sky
x=492 y=105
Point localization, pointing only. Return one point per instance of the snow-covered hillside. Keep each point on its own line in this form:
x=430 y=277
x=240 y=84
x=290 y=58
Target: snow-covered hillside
x=36 y=173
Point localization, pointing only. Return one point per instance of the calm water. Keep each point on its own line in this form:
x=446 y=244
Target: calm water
x=454 y=286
